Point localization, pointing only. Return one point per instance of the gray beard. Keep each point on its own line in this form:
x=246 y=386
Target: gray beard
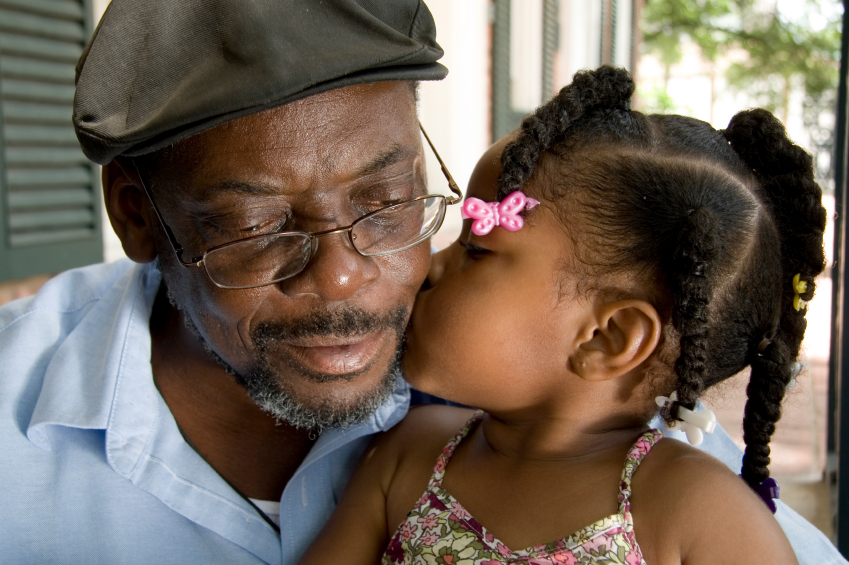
x=278 y=399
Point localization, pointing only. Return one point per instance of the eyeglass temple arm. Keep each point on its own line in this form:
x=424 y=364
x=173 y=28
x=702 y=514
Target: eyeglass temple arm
x=451 y=183
x=178 y=249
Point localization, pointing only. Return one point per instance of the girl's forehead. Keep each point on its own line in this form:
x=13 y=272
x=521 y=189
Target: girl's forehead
x=483 y=183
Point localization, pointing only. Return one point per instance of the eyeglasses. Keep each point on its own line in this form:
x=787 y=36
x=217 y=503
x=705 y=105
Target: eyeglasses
x=266 y=259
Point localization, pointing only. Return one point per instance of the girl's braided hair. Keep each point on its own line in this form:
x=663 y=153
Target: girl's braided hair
x=711 y=225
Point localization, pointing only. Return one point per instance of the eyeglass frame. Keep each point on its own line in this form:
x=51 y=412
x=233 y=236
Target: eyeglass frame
x=199 y=260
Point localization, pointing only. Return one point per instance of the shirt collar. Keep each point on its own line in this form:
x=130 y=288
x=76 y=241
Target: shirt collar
x=108 y=332
x=390 y=413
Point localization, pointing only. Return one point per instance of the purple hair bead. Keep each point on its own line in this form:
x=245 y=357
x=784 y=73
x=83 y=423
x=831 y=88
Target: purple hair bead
x=768 y=490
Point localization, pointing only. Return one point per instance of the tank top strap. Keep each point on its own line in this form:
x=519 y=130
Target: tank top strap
x=632 y=461
x=448 y=450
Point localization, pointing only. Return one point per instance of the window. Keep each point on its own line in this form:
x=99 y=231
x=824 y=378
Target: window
x=49 y=193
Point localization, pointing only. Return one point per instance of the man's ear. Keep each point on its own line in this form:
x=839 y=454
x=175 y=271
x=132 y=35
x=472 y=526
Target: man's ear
x=620 y=337
x=129 y=213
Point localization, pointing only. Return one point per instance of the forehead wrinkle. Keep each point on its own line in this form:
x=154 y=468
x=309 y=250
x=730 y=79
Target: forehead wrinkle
x=239 y=187
x=385 y=158
x=346 y=155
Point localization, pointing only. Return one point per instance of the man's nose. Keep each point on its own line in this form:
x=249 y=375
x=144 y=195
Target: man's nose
x=335 y=271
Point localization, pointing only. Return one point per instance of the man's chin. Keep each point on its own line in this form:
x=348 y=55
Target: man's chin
x=342 y=404
x=326 y=370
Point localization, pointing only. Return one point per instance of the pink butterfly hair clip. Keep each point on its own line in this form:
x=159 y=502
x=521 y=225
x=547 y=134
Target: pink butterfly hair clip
x=487 y=215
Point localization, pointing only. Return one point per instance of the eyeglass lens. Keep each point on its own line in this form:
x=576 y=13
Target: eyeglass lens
x=273 y=258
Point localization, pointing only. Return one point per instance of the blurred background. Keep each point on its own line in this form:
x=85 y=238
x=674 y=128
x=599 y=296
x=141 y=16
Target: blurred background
x=702 y=58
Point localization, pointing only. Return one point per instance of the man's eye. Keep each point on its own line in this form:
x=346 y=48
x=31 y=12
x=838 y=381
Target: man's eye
x=372 y=206
x=381 y=197
x=271 y=226
x=258 y=227
x=245 y=228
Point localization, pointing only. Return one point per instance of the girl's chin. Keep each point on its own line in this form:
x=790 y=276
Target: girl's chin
x=418 y=374
x=410 y=367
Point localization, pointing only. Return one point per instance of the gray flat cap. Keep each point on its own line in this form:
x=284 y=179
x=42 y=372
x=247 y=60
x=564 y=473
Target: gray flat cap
x=158 y=71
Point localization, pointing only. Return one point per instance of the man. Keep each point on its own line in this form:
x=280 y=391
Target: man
x=175 y=409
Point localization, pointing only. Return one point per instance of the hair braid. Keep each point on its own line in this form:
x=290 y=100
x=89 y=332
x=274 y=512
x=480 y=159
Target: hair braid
x=691 y=280
x=785 y=175
x=606 y=87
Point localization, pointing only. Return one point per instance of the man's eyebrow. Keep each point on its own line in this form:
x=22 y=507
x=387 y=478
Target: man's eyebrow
x=385 y=158
x=247 y=188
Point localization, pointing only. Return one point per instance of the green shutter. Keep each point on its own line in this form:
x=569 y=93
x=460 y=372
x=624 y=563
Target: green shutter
x=506 y=118
x=550 y=45
x=49 y=192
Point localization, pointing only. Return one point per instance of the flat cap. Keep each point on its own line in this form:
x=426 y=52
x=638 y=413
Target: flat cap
x=158 y=71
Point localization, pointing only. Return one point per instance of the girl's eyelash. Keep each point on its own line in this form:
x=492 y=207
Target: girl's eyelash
x=473 y=249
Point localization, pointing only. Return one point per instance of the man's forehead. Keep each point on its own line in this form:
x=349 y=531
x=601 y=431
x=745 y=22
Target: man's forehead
x=374 y=165
x=338 y=136
x=320 y=119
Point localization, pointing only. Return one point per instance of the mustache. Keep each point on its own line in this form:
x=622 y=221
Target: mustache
x=348 y=322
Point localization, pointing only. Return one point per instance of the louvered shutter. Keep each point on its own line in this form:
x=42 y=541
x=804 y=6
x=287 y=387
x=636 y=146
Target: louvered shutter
x=49 y=192
x=506 y=117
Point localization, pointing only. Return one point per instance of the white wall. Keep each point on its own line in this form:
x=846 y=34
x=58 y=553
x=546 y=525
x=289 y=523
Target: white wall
x=112 y=250
x=580 y=39
x=526 y=32
x=456 y=111
x=623 y=32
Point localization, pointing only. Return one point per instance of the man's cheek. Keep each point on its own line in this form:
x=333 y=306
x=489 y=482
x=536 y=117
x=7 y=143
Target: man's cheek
x=225 y=318
x=409 y=268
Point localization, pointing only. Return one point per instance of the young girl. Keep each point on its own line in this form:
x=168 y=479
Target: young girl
x=663 y=258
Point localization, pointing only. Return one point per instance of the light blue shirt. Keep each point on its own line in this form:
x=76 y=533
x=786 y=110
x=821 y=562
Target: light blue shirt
x=95 y=470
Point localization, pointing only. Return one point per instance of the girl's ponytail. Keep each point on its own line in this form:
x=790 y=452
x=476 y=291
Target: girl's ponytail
x=606 y=88
x=794 y=200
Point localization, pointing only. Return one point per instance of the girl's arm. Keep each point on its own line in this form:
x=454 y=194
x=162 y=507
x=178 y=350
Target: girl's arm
x=356 y=532
x=391 y=476
x=737 y=526
x=713 y=516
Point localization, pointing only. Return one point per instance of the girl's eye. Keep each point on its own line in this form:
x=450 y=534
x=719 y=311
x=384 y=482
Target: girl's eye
x=473 y=250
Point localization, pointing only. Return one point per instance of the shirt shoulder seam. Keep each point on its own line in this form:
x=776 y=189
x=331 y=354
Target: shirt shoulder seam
x=39 y=310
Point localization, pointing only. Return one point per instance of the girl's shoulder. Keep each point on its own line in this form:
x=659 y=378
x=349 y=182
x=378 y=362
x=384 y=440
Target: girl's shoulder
x=426 y=430
x=415 y=445
x=684 y=492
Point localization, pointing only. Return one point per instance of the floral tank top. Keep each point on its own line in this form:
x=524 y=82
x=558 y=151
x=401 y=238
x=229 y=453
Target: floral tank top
x=439 y=531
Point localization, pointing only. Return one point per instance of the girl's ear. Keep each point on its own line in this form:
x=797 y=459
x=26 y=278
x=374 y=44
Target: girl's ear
x=128 y=211
x=620 y=337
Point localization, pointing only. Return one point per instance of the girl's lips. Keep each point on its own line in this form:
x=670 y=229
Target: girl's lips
x=338 y=356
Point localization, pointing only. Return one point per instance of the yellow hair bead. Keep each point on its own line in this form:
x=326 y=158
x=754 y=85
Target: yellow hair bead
x=799 y=287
